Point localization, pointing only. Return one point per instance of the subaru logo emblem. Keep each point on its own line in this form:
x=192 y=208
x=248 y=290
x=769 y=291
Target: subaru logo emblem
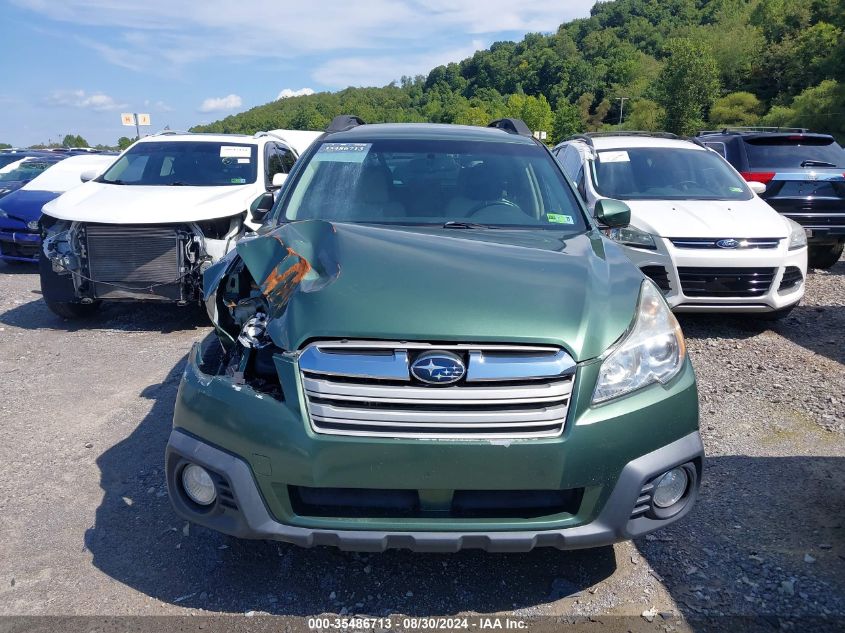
x=729 y=243
x=438 y=368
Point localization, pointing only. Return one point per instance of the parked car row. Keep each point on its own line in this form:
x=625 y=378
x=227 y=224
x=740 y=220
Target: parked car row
x=424 y=338
x=697 y=228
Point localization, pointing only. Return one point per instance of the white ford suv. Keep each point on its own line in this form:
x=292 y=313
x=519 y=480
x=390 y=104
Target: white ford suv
x=168 y=208
x=697 y=228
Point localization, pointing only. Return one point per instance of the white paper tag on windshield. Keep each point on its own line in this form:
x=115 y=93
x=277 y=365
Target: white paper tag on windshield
x=235 y=151
x=614 y=157
x=343 y=152
x=243 y=161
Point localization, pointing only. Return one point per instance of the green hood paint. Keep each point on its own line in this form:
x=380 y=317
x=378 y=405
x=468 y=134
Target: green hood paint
x=329 y=280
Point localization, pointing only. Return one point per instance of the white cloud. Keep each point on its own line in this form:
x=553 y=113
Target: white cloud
x=381 y=70
x=220 y=104
x=287 y=93
x=162 y=36
x=80 y=99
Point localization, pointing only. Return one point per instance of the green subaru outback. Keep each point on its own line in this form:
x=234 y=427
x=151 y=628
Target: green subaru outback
x=429 y=345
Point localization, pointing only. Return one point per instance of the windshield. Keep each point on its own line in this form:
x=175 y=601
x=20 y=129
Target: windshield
x=24 y=169
x=188 y=163
x=794 y=151
x=472 y=184
x=666 y=173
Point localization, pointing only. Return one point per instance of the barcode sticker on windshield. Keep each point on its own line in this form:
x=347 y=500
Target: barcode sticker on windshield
x=235 y=151
x=559 y=218
x=243 y=161
x=343 y=152
x=614 y=157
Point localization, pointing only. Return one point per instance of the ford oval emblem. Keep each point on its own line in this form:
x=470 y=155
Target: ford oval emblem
x=438 y=368
x=729 y=243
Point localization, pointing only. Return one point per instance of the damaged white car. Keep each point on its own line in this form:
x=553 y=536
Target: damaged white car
x=168 y=208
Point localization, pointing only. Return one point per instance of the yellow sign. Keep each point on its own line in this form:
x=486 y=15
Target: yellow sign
x=143 y=119
x=127 y=118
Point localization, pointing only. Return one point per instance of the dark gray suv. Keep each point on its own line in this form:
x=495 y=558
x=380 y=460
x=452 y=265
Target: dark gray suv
x=803 y=174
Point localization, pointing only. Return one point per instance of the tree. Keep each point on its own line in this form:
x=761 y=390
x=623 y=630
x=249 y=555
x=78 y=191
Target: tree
x=645 y=115
x=687 y=85
x=123 y=142
x=737 y=108
x=567 y=121
x=71 y=140
x=5 y=146
x=535 y=111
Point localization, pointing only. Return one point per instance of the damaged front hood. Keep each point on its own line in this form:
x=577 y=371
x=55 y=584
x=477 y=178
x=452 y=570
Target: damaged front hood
x=141 y=204
x=333 y=281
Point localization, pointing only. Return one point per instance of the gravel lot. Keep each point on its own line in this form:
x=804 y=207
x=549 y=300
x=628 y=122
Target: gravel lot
x=87 y=528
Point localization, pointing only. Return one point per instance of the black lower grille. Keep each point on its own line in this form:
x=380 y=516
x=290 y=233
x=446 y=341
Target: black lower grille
x=465 y=504
x=820 y=220
x=659 y=276
x=726 y=282
x=791 y=278
x=135 y=262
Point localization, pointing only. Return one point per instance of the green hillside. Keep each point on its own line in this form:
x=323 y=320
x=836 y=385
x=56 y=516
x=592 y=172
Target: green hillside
x=681 y=64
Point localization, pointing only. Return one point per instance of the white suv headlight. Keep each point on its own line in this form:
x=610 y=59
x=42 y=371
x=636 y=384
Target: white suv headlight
x=632 y=236
x=797 y=235
x=652 y=351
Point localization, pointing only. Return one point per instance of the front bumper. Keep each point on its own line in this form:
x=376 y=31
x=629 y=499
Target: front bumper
x=259 y=447
x=670 y=258
x=252 y=520
x=21 y=246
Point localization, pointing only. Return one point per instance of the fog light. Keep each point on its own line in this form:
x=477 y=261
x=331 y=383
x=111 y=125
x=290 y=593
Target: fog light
x=670 y=488
x=198 y=485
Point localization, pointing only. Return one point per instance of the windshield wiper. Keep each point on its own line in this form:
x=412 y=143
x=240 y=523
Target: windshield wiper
x=176 y=183
x=453 y=224
x=816 y=163
x=110 y=182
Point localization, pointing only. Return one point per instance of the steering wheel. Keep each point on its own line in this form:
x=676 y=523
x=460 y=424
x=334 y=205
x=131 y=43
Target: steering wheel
x=495 y=203
x=685 y=184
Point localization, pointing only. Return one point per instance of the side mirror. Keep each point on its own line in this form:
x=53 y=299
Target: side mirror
x=613 y=213
x=278 y=180
x=88 y=174
x=757 y=187
x=261 y=207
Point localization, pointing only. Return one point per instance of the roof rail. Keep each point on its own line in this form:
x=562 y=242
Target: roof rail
x=171 y=132
x=263 y=134
x=512 y=126
x=344 y=122
x=751 y=129
x=588 y=137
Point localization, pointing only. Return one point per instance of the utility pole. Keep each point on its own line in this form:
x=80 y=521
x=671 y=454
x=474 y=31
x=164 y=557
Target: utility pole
x=621 y=107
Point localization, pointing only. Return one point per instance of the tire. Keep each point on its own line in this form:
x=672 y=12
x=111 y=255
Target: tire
x=824 y=255
x=775 y=315
x=68 y=310
x=59 y=294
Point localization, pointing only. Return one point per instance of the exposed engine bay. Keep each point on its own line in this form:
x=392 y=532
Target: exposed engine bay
x=160 y=262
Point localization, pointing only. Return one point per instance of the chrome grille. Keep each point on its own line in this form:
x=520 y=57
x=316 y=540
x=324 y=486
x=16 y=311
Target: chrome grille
x=708 y=242
x=366 y=389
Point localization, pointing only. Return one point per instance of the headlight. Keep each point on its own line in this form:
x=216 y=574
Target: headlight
x=632 y=236
x=652 y=351
x=797 y=235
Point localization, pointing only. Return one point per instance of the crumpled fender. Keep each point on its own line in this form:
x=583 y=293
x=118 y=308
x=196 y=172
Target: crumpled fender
x=296 y=257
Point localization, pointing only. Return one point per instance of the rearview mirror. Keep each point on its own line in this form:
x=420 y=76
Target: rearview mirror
x=757 y=187
x=88 y=174
x=279 y=180
x=261 y=207
x=613 y=212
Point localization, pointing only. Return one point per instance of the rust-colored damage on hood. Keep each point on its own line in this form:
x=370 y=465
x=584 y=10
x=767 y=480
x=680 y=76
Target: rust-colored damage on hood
x=284 y=278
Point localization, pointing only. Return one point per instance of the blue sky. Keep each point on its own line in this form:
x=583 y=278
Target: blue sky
x=72 y=66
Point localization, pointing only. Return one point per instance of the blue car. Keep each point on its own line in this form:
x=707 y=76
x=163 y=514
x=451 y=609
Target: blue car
x=20 y=210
